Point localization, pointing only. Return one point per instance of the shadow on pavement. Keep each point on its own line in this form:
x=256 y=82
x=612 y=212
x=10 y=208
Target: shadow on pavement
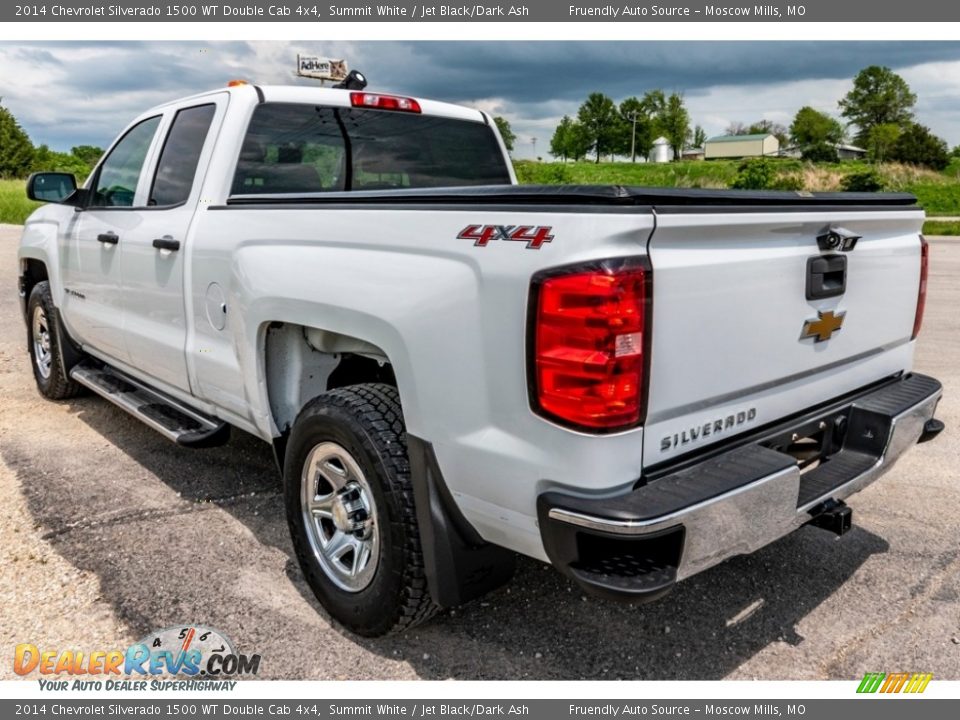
x=179 y=560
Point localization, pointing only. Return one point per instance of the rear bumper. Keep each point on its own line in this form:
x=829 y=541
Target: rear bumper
x=638 y=545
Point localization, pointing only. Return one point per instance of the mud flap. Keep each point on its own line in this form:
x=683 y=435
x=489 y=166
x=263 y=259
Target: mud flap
x=459 y=564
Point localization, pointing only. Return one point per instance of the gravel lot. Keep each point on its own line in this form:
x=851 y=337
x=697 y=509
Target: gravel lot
x=110 y=531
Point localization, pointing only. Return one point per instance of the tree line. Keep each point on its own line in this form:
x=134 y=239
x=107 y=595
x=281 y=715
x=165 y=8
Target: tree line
x=19 y=157
x=879 y=112
x=602 y=127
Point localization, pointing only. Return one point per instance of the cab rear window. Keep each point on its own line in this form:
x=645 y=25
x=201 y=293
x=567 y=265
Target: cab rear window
x=298 y=148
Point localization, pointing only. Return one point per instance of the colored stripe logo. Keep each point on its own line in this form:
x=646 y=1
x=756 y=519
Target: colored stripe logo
x=894 y=683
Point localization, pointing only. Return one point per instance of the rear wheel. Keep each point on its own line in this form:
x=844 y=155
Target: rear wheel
x=44 y=336
x=351 y=511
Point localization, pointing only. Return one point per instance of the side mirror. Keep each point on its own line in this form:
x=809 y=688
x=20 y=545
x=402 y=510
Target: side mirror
x=52 y=187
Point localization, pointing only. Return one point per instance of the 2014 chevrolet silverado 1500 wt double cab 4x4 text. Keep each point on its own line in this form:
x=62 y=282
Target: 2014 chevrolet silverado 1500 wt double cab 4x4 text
x=630 y=383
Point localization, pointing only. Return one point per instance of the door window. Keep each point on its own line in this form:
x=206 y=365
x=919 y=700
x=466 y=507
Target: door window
x=117 y=178
x=181 y=155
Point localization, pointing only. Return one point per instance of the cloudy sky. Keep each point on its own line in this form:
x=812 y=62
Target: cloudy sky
x=66 y=94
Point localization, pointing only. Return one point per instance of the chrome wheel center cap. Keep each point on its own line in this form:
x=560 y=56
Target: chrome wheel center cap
x=341 y=516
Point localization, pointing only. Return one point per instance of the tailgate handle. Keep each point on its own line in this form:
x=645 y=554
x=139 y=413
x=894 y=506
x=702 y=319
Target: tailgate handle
x=826 y=276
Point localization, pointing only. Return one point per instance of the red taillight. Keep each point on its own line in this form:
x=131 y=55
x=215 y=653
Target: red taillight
x=375 y=101
x=589 y=346
x=922 y=293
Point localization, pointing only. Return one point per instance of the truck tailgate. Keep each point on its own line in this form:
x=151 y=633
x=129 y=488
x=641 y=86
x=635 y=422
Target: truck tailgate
x=737 y=344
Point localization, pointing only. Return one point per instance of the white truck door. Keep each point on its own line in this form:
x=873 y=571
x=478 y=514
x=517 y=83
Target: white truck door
x=91 y=249
x=153 y=258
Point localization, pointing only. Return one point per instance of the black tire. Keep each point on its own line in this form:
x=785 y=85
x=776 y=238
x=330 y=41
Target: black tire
x=367 y=421
x=56 y=384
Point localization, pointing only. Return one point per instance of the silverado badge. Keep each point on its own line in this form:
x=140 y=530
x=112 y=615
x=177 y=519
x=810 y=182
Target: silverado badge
x=823 y=327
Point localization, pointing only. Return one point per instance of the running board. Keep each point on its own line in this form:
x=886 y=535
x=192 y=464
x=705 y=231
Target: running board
x=169 y=417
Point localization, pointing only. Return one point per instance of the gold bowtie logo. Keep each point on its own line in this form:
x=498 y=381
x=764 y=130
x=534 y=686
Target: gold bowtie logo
x=823 y=327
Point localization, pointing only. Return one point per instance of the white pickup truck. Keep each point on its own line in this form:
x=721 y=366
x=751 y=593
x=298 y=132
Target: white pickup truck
x=630 y=383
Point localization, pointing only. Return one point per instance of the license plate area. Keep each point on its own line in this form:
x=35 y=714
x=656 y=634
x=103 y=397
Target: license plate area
x=813 y=442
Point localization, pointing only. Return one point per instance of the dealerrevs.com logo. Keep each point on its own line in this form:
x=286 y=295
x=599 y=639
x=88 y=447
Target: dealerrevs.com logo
x=194 y=652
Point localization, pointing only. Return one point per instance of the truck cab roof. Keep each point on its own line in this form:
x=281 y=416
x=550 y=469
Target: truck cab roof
x=330 y=96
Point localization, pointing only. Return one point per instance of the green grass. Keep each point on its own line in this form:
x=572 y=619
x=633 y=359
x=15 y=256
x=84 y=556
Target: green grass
x=14 y=206
x=933 y=227
x=939 y=193
x=938 y=199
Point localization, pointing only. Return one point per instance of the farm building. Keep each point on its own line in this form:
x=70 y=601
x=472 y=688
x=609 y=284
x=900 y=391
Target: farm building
x=844 y=152
x=851 y=152
x=662 y=151
x=741 y=146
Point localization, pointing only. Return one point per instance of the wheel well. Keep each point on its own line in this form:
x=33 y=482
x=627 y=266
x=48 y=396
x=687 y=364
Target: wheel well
x=303 y=362
x=32 y=272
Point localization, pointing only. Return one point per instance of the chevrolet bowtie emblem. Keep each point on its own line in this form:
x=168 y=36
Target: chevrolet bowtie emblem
x=823 y=327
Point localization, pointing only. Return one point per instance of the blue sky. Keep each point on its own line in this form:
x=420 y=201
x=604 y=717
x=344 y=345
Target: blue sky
x=69 y=93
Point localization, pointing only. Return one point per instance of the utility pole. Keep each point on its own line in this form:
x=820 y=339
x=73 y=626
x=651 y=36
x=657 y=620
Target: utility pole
x=533 y=140
x=633 y=137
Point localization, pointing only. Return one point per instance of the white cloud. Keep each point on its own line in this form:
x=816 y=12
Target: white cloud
x=66 y=94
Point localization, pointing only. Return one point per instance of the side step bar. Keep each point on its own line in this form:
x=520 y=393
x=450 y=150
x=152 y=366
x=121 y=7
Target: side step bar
x=169 y=417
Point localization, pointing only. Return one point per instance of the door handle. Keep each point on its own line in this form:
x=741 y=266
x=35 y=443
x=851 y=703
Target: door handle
x=166 y=243
x=109 y=238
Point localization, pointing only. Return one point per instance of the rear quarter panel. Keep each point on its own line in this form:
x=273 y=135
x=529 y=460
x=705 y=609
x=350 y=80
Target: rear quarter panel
x=450 y=315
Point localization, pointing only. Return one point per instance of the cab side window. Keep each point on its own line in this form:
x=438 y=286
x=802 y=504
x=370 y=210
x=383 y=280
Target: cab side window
x=116 y=182
x=181 y=155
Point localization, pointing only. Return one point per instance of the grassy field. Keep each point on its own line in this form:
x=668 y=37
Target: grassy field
x=935 y=227
x=939 y=193
x=14 y=206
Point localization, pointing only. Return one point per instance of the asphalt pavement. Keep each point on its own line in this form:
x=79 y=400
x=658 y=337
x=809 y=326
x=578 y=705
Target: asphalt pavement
x=110 y=531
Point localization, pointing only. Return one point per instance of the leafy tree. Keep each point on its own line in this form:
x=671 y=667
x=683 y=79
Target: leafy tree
x=16 y=150
x=505 y=132
x=879 y=97
x=602 y=125
x=639 y=128
x=863 y=181
x=89 y=154
x=675 y=124
x=579 y=141
x=699 y=137
x=562 y=140
x=919 y=146
x=811 y=127
x=654 y=102
x=955 y=152
x=754 y=174
x=821 y=152
x=881 y=140
x=50 y=160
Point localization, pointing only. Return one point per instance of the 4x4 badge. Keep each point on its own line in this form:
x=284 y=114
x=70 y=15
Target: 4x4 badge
x=823 y=327
x=534 y=237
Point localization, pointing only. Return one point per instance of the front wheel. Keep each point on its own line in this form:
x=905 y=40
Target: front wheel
x=43 y=341
x=351 y=511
